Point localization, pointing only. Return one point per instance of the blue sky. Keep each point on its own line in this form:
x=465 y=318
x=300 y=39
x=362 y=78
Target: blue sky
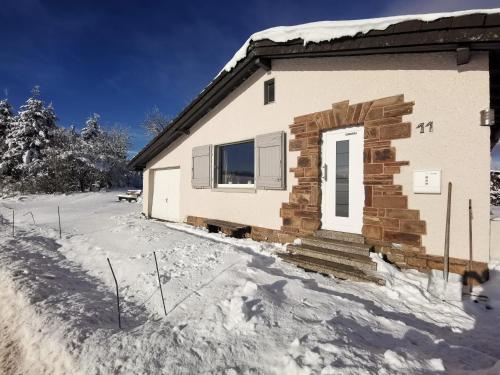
x=121 y=58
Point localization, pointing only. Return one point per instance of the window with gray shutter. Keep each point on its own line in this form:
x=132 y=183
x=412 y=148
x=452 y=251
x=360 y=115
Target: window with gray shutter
x=201 y=168
x=270 y=161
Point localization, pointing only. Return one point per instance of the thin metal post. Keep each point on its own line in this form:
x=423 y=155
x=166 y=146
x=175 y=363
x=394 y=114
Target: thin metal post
x=59 y=215
x=447 y=235
x=117 y=296
x=469 y=280
x=159 y=282
x=13 y=231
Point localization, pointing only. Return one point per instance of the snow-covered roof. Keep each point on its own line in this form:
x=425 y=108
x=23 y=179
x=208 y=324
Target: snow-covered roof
x=328 y=30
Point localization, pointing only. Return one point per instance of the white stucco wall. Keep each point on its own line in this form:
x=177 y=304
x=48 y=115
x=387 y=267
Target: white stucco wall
x=448 y=95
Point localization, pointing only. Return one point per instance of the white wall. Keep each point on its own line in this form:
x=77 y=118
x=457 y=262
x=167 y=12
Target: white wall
x=448 y=95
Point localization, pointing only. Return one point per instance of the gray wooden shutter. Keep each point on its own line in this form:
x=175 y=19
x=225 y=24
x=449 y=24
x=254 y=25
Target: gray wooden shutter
x=201 y=168
x=270 y=161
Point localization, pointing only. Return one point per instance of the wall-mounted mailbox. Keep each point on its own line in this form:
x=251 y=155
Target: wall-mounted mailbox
x=427 y=182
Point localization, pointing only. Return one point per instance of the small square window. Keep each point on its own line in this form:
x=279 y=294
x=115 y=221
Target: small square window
x=269 y=91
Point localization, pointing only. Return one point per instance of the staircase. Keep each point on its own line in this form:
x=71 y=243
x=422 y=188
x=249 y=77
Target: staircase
x=339 y=254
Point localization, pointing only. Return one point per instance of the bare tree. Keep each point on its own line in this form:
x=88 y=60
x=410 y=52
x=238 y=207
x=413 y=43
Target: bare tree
x=155 y=122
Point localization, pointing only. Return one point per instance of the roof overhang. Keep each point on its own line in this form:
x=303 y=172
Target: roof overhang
x=463 y=34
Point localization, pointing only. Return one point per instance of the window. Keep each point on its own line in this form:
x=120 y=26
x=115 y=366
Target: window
x=269 y=91
x=235 y=165
x=342 y=179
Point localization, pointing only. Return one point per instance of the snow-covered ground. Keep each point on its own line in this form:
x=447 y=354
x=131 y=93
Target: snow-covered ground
x=232 y=306
x=495 y=211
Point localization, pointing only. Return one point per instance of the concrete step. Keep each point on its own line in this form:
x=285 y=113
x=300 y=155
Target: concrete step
x=340 y=236
x=359 y=261
x=340 y=271
x=337 y=245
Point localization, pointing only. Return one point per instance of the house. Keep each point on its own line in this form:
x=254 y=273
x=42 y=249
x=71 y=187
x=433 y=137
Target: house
x=344 y=134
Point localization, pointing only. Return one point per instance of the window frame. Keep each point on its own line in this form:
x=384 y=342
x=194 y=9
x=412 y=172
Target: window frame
x=268 y=83
x=216 y=168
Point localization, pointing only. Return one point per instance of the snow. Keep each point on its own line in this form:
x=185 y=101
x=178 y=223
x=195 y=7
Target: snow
x=495 y=212
x=450 y=290
x=316 y=32
x=233 y=307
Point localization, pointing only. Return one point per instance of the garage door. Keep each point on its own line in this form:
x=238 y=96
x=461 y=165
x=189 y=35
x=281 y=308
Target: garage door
x=166 y=188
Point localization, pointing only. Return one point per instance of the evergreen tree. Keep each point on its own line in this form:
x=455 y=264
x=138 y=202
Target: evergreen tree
x=92 y=128
x=29 y=135
x=6 y=116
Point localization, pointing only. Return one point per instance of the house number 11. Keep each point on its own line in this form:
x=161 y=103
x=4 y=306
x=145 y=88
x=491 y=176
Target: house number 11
x=422 y=127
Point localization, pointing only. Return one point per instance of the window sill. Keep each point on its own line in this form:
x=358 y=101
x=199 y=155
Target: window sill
x=234 y=190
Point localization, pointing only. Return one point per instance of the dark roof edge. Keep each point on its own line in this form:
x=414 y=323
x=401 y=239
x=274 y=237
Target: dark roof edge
x=481 y=33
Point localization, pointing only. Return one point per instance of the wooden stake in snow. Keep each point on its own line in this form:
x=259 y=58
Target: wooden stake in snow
x=159 y=282
x=469 y=281
x=117 y=296
x=59 y=215
x=447 y=235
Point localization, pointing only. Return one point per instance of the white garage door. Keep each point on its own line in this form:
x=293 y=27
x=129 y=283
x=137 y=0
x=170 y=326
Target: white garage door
x=166 y=189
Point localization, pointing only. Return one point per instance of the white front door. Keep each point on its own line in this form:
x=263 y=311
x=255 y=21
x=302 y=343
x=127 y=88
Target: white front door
x=342 y=189
x=166 y=189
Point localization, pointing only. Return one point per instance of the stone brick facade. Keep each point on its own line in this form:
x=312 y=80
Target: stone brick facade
x=388 y=223
x=386 y=216
x=404 y=258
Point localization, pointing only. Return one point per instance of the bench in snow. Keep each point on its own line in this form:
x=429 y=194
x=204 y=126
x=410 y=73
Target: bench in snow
x=131 y=195
x=228 y=228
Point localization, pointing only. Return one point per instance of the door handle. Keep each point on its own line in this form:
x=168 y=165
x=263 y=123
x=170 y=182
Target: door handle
x=166 y=200
x=325 y=172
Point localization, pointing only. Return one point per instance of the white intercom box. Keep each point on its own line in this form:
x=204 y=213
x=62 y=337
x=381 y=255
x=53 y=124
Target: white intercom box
x=427 y=182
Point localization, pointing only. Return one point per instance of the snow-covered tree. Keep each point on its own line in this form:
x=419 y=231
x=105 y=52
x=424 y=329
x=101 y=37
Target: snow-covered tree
x=63 y=168
x=102 y=155
x=29 y=135
x=155 y=122
x=495 y=188
x=92 y=128
x=6 y=116
x=113 y=157
x=38 y=156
